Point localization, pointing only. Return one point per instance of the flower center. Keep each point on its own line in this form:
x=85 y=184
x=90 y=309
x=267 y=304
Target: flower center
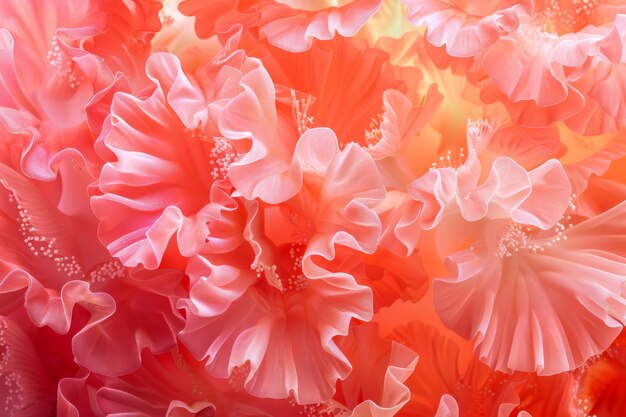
x=300 y=108
x=106 y=271
x=62 y=63
x=286 y=274
x=221 y=152
x=514 y=237
x=566 y=16
x=373 y=135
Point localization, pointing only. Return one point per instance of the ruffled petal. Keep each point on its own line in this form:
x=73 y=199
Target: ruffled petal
x=142 y=319
x=293 y=29
x=281 y=337
x=549 y=281
x=467 y=28
x=375 y=386
x=154 y=181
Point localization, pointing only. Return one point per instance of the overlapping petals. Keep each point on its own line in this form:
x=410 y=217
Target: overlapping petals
x=467 y=28
x=326 y=208
x=278 y=312
x=150 y=177
x=68 y=68
x=581 y=316
x=290 y=25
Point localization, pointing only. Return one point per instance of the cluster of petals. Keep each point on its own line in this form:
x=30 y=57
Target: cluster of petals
x=319 y=208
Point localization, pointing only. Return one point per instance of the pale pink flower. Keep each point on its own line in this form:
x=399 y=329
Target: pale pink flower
x=567 y=286
x=462 y=183
x=550 y=75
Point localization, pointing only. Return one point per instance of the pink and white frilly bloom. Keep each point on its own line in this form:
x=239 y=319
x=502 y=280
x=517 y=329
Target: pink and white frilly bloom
x=276 y=327
x=32 y=362
x=54 y=262
x=372 y=108
x=444 y=385
x=178 y=193
x=58 y=80
x=475 y=183
x=44 y=260
x=546 y=77
x=562 y=64
x=291 y=25
x=511 y=247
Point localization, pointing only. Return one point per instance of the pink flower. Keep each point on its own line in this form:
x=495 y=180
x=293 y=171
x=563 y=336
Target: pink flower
x=544 y=274
x=506 y=190
x=150 y=177
x=275 y=325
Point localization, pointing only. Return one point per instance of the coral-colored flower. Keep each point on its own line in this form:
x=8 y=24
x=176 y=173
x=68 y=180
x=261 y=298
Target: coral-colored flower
x=445 y=386
x=372 y=110
x=376 y=386
x=289 y=24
